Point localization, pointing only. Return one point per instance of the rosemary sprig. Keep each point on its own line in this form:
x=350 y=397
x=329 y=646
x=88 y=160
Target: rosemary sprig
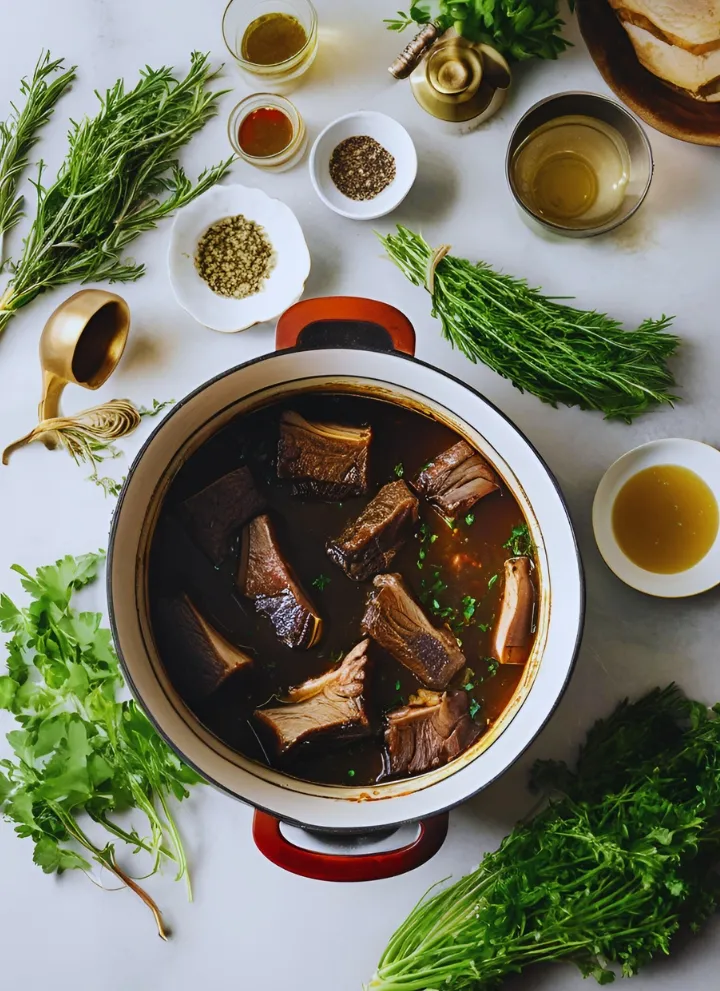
x=558 y=353
x=110 y=187
x=19 y=133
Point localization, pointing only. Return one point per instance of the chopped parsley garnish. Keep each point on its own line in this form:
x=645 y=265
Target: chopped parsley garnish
x=397 y=686
x=474 y=708
x=469 y=687
x=321 y=582
x=492 y=581
x=399 y=469
x=493 y=667
x=469 y=606
x=470 y=519
x=483 y=627
x=351 y=773
x=520 y=543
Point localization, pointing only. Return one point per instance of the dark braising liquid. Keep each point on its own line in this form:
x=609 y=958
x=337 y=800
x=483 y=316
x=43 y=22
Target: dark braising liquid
x=467 y=556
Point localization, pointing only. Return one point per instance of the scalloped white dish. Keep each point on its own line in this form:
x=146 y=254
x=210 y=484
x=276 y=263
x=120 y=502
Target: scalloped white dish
x=286 y=281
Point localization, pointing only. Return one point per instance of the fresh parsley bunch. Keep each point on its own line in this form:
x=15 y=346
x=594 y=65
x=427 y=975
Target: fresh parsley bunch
x=80 y=756
x=621 y=857
x=519 y=29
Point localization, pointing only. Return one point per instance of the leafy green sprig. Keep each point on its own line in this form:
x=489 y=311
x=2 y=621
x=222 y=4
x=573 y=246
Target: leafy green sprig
x=605 y=874
x=519 y=29
x=79 y=753
x=560 y=354
x=19 y=133
x=121 y=176
x=520 y=542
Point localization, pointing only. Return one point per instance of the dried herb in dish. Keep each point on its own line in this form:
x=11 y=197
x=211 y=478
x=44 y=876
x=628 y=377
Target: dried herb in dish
x=560 y=354
x=234 y=257
x=620 y=858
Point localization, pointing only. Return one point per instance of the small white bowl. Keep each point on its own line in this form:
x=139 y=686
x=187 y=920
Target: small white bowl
x=283 y=287
x=392 y=136
x=698 y=457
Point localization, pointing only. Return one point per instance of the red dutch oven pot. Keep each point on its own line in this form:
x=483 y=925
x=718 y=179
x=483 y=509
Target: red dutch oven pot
x=368 y=347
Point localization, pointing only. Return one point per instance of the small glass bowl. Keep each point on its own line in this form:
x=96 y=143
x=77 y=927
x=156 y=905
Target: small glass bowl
x=239 y=14
x=291 y=154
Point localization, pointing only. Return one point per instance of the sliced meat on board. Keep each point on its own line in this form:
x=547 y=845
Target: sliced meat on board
x=396 y=621
x=513 y=630
x=326 y=460
x=456 y=479
x=368 y=544
x=266 y=577
x=428 y=732
x=215 y=514
x=330 y=704
x=198 y=657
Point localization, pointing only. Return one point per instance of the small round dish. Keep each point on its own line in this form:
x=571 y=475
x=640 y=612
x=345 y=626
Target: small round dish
x=698 y=457
x=392 y=136
x=283 y=286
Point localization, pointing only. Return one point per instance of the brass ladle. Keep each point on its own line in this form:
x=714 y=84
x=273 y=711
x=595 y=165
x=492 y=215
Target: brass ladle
x=81 y=344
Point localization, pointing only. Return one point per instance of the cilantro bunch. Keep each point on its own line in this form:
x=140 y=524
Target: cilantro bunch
x=80 y=756
x=519 y=29
x=623 y=854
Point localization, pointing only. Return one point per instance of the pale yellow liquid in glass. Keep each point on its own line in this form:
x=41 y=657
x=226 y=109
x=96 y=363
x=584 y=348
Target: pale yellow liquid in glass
x=665 y=519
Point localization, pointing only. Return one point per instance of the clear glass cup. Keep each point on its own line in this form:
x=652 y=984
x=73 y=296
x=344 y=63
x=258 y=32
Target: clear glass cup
x=291 y=154
x=238 y=16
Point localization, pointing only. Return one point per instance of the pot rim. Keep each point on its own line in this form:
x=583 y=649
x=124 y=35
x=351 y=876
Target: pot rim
x=388 y=822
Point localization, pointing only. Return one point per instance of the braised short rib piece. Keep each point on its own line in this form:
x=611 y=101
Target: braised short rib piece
x=368 y=544
x=326 y=460
x=397 y=623
x=330 y=704
x=265 y=577
x=428 y=732
x=457 y=479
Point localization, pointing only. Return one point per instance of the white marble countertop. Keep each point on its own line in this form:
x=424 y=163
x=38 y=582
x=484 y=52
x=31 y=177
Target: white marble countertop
x=252 y=925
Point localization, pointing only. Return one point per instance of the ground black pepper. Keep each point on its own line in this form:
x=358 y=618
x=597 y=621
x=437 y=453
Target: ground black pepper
x=234 y=257
x=361 y=168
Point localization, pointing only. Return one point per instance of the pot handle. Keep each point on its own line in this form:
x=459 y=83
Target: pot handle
x=345 y=322
x=347 y=867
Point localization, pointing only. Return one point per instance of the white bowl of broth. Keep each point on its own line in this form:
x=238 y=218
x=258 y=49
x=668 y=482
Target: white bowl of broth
x=656 y=517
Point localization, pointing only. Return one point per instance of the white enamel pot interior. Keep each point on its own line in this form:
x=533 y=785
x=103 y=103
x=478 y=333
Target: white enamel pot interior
x=399 y=378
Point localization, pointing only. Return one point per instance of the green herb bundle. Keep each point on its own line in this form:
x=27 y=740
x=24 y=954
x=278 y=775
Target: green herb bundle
x=560 y=354
x=120 y=177
x=606 y=874
x=519 y=29
x=79 y=754
x=20 y=132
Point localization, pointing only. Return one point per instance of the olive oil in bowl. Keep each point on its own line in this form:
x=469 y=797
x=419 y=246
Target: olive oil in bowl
x=665 y=519
x=573 y=171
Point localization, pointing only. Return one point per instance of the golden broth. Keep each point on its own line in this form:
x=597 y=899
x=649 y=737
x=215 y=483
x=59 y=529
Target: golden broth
x=665 y=519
